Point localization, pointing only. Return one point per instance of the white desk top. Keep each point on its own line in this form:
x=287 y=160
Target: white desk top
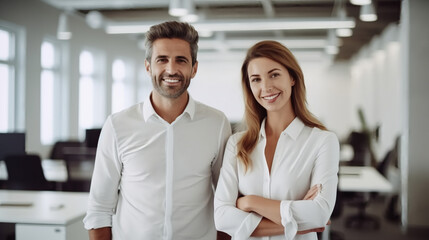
x=362 y=179
x=42 y=207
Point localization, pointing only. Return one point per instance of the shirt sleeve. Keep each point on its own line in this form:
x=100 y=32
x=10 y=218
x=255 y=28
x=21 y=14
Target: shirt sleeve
x=228 y=218
x=224 y=134
x=103 y=195
x=308 y=214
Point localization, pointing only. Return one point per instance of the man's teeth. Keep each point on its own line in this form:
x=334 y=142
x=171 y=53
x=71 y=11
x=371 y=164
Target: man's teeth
x=171 y=80
x=270 y=97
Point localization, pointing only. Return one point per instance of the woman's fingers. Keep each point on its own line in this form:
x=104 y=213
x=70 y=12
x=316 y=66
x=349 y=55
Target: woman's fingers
x=311 y=230
x=312 y=193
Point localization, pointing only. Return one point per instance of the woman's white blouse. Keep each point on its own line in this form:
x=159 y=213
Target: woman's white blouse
x=304 y=156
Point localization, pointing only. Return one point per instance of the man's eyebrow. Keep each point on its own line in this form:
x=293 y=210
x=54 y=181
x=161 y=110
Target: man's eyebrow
x=182 y=57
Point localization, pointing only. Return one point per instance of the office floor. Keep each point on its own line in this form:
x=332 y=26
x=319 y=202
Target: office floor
x=388 y=229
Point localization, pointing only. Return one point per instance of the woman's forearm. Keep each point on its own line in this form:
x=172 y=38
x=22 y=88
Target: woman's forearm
x=265 y=207
x=267 y=228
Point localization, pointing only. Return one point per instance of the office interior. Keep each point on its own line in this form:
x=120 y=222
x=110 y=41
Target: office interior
x=381 y=90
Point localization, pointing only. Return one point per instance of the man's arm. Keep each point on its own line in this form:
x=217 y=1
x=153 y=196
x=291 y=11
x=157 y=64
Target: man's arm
x=222 y=236
x=104 y=233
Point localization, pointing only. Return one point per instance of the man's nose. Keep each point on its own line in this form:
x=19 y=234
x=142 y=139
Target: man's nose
x=171 y=68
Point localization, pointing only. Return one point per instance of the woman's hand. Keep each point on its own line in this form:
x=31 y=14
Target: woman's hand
x=244 y=203
x=310 y=195
x=313 y=192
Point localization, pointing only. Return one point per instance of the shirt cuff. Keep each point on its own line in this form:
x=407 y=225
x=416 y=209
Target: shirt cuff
x=288 y=222
x=247 y=227
x=93 y=222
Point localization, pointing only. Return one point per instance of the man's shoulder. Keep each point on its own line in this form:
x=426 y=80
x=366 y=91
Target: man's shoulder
x=134 y=111
x=206 y=111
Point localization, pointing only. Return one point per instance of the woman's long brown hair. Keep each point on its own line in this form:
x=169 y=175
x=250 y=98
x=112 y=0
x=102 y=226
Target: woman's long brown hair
x=254 y=112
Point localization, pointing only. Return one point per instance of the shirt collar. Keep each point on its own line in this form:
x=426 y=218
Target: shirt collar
x=149 y=111
x=293 y=130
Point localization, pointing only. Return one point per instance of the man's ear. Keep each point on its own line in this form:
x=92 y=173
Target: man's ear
x=147 y=65
x=194 y=69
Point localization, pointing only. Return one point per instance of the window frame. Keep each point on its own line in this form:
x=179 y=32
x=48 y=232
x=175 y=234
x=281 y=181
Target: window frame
x=16 y=109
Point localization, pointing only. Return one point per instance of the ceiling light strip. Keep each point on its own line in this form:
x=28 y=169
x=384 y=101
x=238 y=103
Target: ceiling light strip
x=243 y=25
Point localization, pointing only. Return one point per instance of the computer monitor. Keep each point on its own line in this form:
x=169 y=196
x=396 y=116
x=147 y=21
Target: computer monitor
x=12 y=144
x=91 y=137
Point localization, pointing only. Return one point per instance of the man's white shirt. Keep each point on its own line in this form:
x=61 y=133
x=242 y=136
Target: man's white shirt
x=155 y=180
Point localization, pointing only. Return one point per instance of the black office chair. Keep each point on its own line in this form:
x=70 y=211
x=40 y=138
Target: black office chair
x=25 y=172
x=80 y=166
x=361 y=149
x=391 y=159
x=57 y=151
x=91 y=137
x=362 y=157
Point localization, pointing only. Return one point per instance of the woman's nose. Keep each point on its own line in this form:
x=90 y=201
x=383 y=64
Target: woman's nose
x=267 y=86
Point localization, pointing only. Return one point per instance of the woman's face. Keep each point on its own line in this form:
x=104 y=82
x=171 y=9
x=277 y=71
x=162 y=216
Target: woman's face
x=271 y=84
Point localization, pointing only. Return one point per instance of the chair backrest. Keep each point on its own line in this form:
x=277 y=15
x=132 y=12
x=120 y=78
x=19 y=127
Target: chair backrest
x=91 y=137
x=25 y=172
x=80 y=166
x=58 y=148
x=361 y=148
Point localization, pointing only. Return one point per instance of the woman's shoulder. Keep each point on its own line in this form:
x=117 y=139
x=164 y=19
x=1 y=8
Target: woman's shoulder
x=324 y=134
x=235 y=137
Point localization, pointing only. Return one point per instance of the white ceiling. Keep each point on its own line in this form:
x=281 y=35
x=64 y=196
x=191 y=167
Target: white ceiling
x=250 y=14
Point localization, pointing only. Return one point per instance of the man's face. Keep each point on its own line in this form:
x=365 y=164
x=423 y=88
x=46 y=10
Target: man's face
x=171 y=67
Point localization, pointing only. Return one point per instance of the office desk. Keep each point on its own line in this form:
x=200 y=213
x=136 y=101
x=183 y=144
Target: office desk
x=44 y=215
x=362 y=179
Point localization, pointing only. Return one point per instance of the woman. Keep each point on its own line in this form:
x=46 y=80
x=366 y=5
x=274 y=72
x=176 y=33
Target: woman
x=279 y=177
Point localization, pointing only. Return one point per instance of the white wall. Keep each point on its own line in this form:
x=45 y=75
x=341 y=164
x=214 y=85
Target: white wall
x=218 y=84
x=328 y=95
x=415 y=160
x=376 y=83
x=38 y=21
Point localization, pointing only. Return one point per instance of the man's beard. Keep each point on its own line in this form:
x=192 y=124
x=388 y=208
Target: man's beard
x=170 y=91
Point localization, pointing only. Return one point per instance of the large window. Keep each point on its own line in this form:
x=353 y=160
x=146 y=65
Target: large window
x=7 y=79
x=122 y=87
x=50 y=92
x=91 y=92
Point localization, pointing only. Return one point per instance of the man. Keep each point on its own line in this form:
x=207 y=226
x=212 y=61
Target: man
x=158 y=162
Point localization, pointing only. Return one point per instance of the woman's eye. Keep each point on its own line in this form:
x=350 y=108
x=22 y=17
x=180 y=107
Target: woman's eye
x=275 y=75
x=254 y=79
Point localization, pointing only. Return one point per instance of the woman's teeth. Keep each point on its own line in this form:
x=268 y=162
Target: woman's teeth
x=271 y=97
